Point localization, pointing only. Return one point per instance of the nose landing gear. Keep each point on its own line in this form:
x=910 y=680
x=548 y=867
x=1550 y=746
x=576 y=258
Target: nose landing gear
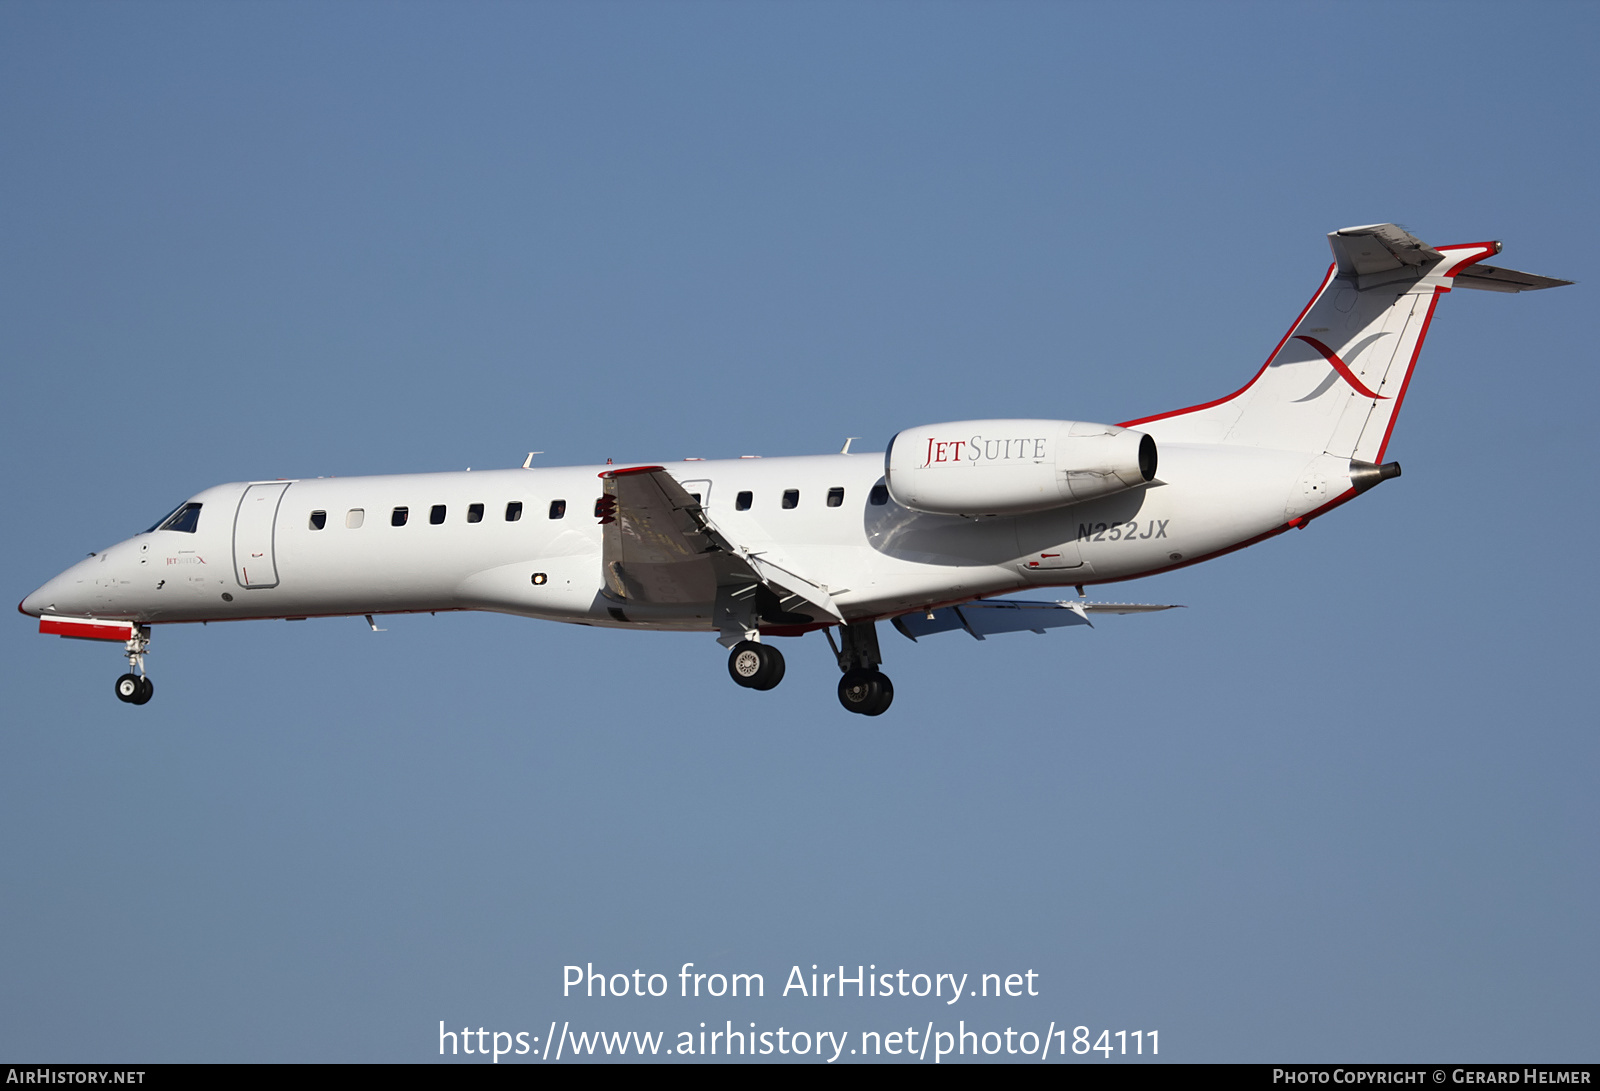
x=136 y=688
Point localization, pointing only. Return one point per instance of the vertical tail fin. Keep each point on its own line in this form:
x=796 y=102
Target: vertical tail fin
x=1335 y=382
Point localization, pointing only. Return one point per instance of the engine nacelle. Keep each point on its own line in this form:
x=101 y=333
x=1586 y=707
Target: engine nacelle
x=1010 y=467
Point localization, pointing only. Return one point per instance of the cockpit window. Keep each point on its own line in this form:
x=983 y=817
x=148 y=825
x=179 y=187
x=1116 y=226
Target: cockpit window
x=157 y=524
x=185 y=517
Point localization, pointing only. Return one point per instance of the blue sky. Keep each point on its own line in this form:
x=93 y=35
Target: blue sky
x=1340 y=808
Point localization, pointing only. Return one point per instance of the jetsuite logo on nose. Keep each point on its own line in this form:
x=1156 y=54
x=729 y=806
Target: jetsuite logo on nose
x=979 y=449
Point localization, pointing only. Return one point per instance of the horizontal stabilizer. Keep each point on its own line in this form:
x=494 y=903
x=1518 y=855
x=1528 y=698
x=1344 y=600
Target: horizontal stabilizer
x=1376 y=250
x=1493 y=279
x=986 y=618
x=1382 y=253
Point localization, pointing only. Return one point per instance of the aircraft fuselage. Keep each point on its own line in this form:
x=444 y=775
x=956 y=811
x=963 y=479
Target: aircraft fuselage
x=527 y=541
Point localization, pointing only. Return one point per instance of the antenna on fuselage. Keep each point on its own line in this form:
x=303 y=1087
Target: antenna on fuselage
x=846 y=448
x=527 y=462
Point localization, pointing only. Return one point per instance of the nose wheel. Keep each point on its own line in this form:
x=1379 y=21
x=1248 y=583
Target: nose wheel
x=134 y=690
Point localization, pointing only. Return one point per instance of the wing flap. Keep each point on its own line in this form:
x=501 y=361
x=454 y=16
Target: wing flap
x=660 y=547
x=654 y=548
x=777 y=575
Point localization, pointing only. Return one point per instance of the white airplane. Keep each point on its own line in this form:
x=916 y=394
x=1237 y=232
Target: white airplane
x=921 y=536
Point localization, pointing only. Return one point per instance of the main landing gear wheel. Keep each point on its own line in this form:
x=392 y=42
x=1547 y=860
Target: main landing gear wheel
x=755 y=666
x=867 y=692
x=134 y=690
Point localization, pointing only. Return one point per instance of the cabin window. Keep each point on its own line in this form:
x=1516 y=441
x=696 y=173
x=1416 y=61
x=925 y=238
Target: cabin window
x=791 y=498
x=355 y=517
x=558 y=509
x=474 y=513
x=879 y=496
x=436 y=516
x=513 y=511
x=742 y=501
x=185 y=519
x=835 y=497
x=695 y=497
x=319 y=519
x=398 y=517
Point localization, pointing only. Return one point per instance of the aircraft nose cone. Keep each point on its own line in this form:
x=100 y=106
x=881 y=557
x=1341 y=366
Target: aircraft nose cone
x=61 y=595
x=35 y=603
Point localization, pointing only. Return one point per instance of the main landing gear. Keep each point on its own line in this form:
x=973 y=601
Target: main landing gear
x=755 y=666
x=864 y=689
x=136 y=688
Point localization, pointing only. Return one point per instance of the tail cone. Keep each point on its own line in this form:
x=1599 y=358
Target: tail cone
x=1364 y=475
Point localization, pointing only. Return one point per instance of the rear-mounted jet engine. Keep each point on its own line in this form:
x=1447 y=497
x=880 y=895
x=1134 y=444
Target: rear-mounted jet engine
x=1011 y=467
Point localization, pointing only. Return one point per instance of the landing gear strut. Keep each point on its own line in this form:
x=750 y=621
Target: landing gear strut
x=755 y=666
x=136 y=688
x=864 y=689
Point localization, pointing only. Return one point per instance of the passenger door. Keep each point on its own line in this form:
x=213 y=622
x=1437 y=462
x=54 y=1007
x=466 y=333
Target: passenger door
x=253 y=561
